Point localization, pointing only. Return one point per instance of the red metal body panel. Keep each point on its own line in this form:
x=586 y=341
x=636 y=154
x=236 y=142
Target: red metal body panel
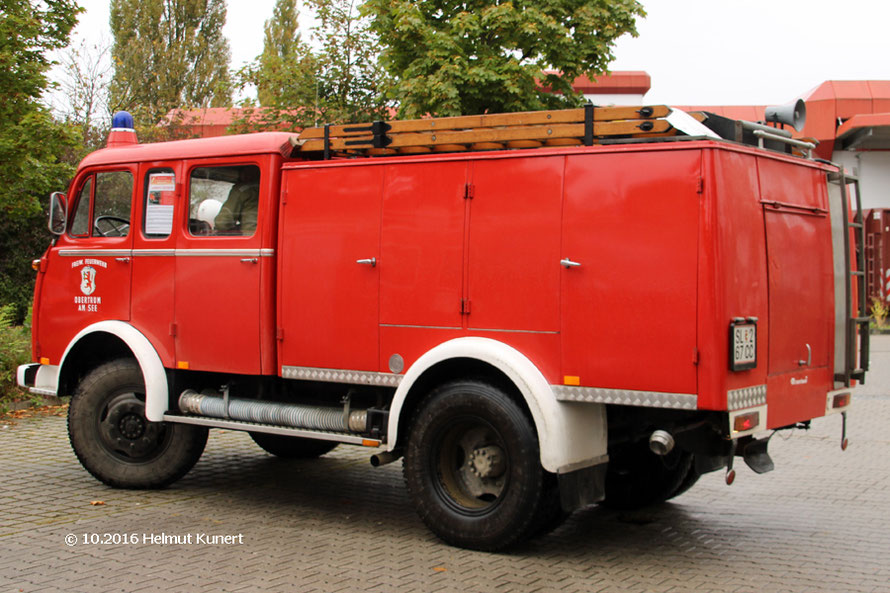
x=801 y=297
x=513 y=250
x=421 y=251
x=629 y=310
x=731 y=274
x=329 y=303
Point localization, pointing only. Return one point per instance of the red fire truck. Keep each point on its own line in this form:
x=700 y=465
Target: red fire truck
x=634 y=299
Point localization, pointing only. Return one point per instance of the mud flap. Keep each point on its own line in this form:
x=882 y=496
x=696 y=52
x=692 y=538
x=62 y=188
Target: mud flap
x=582 y=487
x=755 y=454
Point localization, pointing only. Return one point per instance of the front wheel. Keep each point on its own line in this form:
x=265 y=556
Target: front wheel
x=472 y=467
x=116 y=443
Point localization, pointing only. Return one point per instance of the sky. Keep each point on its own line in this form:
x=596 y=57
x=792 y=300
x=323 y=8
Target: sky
x=697 y=52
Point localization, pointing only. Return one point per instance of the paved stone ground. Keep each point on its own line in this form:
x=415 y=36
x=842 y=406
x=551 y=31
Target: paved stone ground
x=820 y=522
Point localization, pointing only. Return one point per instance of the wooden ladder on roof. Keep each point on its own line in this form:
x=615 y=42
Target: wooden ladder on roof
x=565 y=127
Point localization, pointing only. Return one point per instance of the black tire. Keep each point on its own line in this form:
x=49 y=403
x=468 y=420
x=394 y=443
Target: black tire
x=292 y=447
x=472 y=467
x=637 y=477
x=113 y=440
x=688 y=482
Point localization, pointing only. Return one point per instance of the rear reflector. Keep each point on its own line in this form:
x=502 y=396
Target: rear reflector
x=841 y=400
x=744 y=422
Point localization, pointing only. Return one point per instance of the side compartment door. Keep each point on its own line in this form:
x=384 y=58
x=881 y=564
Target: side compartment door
x=629 y=308
x=329 y=267
x=801 y=290
x=220 y=254
x=422 y=258
x=513 y=271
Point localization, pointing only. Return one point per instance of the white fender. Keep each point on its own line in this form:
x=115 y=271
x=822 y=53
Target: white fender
x=146 y=356
x=571 y=435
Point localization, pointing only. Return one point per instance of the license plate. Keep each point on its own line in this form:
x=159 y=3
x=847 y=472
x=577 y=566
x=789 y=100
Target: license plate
x=743 y=345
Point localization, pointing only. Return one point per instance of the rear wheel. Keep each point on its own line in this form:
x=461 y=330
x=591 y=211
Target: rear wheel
x=292 y=447
x=472 y=467
x=116 y=443
x=637 y=477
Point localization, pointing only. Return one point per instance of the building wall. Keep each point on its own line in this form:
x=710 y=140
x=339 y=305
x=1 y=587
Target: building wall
x=873 y=169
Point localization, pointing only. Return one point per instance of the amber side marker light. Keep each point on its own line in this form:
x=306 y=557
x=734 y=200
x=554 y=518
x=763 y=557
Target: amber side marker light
x=841 y=400
x=745 y=422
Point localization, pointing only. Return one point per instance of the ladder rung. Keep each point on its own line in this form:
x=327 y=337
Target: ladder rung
x=861 y=319
x=855 y=225
x=857 y=273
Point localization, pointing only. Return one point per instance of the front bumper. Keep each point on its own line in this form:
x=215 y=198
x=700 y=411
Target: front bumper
x=40 y=379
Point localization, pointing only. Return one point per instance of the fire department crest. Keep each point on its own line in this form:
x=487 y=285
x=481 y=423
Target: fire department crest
x=88 y=280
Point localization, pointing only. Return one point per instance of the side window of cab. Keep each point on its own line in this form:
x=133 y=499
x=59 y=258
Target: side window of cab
x=102 y=208
x=224 y=200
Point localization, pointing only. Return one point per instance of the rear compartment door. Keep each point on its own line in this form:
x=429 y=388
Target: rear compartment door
x=801 y=290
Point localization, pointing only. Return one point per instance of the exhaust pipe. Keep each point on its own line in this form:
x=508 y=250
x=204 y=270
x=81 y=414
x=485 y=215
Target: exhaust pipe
x=277 y=414
x=379 y=459
x=661 y=442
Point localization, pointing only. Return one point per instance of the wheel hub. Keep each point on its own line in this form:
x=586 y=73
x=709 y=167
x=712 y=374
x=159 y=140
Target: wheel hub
x=126 y=432
x=132 y=426
x=488 y=462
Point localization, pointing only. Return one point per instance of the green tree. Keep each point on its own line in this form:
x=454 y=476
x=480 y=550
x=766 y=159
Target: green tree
x=297 y=86
x=33 y=146
x=282 y=51
x=476 y=56
x=168 y=54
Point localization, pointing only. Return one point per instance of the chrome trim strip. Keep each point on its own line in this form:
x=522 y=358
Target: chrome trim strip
x=225 y=252
x=747 y=397
x=513 y=331
x=154 y=252
x=418 y=326
x=95 y=252
x=341 y=376
x=167 y=252
x=626 y=397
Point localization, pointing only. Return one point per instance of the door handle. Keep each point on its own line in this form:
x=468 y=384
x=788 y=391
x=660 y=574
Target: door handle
x=568 y=263
x=809 y=360
x=367 y=262
x=249 y=260
x=123 y=260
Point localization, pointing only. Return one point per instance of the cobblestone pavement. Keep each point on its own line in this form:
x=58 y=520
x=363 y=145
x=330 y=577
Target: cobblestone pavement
x=820 y=522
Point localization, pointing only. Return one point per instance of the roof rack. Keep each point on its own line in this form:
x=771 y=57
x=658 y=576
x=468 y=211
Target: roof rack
x=585 y=126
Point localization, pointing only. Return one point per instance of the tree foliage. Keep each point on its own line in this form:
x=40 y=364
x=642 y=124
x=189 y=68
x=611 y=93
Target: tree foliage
x=33 y=146
x=168 y=54
x=475 y=56
x=340 y=81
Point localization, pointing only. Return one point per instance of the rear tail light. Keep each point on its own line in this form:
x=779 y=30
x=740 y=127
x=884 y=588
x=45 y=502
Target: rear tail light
x=745 y=422
x=841 y=400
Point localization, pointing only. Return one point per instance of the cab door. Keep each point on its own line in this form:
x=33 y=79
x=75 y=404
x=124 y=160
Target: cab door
x=87 y=278
x=222 y=254
x=159 y=200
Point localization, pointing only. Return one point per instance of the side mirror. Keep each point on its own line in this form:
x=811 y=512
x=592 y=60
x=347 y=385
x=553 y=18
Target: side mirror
x=58 y=213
